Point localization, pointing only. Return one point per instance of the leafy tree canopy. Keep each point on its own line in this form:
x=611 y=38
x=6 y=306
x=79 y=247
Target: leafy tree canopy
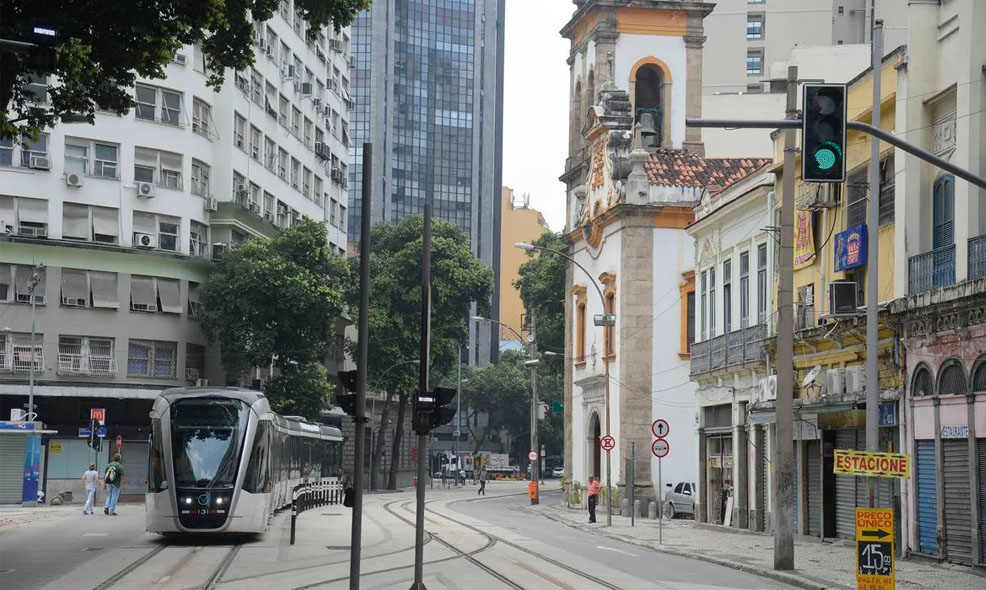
x=102 y=47
x=458 y=278
x=278 y=298
x=500 y=392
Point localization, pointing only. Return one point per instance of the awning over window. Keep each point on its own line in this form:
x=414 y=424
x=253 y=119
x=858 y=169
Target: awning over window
x=142 y=291
x=170 y=295
x=145 y=223
x=75 y=284
x=7 y=210
x=75 y=221
x=104 y=289
x=105 y=221
x=32 y=210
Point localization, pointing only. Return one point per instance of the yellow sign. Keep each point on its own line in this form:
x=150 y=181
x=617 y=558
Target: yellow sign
x=872 y=464
x=804 y=243
x=54 y=446
x=875 y=549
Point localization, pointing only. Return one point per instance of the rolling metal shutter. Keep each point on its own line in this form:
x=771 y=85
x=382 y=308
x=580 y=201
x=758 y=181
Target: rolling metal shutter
x=814 y=483
x=764 y=505
x=845 y=491
x=958 y=509
x=797 y=500
x=11 y=467
x=927 y=498
x=135 y=467
x=982 y=499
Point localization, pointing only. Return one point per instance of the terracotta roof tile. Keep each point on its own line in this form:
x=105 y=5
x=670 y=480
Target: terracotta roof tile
x=685 y=168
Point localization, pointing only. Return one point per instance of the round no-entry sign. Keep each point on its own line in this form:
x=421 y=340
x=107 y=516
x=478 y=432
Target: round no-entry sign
x=660 y=448
x=533 y=455
x=660 y=428
x=607 y=443
x=119 y=442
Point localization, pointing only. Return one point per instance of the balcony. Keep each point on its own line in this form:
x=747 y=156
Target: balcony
x=931 y=270
x=735 y=348
x=977 y=257
x=18 y=360
x=77 y=364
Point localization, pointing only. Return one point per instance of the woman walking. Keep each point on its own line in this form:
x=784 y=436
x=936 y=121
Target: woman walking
x=89 y=479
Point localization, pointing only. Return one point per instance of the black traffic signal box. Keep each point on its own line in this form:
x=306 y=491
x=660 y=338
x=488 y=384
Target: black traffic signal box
x=823 y=133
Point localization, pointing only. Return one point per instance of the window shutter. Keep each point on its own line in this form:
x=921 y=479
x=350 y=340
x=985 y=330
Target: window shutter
x=32 y=210
x=104 y=289
x=75 y=221
x=142 y=291
x=169 y=293
x=105 y=221
x=145 y=223
x=75 y=285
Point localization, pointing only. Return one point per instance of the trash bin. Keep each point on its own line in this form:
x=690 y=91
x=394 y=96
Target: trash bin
x=532 y=490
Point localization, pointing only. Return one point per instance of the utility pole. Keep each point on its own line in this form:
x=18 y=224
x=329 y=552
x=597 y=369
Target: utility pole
x=423 y=389
x=458 y=404
x=362 y=358
x=873 y=270
x=35 y=279
x=534 y=407
x=784 y=480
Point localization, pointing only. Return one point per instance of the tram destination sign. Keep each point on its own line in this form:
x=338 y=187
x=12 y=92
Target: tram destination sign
x=872 y=464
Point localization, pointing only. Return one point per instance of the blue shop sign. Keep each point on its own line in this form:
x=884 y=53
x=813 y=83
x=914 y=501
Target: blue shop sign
x=888 y=414
x=850 y=248
x=5 y=425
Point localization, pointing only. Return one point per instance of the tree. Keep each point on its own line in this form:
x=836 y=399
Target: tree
x=458 y=278
x=276 y=301
x=499 y=394
x=542 y=289
x=101 y=48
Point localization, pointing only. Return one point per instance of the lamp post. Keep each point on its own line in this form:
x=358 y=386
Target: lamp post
x=605 y=320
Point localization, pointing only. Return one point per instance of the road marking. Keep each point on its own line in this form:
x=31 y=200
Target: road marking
x=95 y=534
x=616 y=550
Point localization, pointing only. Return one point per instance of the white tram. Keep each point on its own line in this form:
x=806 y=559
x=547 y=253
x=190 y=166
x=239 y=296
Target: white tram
x=221 y=461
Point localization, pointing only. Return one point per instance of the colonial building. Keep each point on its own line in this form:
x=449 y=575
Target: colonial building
x=629 y=198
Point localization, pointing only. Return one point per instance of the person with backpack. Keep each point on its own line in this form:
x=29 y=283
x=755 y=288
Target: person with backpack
x=113 y=480
x=90 y=479
x=482 y=483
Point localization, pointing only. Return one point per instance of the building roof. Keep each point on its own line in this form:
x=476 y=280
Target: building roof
x=685 y=168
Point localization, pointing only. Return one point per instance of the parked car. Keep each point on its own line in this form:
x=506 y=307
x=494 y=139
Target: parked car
x=680 y=499
x=558 y=472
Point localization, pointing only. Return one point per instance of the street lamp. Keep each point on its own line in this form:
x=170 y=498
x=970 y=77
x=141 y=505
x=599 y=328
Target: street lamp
x=605 y=320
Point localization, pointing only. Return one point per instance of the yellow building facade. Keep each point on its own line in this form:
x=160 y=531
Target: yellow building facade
x=519 y=223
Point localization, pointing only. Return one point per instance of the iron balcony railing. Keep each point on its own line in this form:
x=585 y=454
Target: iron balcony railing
x=931 y=270
x=977 y=257
x=734 y=348
x=77 y=364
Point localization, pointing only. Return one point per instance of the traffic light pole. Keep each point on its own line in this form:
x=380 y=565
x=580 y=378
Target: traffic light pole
x=359 y=419
x=873 y=270
x=423 y=389
x=536 y=499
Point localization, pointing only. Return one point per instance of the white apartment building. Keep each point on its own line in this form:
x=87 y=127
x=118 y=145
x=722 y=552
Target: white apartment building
x=127 y=215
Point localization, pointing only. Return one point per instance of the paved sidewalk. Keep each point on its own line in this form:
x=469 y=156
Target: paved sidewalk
x=819 y=565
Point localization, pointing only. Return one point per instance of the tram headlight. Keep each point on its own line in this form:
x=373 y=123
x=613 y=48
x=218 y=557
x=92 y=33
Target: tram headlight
x=188 y=500
x=219 y=500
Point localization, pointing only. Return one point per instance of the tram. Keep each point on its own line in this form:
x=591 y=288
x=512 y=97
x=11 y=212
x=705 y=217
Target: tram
x=221 y=461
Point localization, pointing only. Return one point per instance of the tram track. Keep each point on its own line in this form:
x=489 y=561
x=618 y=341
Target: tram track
x=211 y=582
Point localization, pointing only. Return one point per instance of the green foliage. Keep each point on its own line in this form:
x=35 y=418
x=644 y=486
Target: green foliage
x=457 y=279
x=502 y=393
x=300 y=390
x=104 y=46
x=282 y=297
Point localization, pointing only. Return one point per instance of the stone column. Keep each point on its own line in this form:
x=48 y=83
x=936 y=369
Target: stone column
x=694 y=41
x=703 y=474
x=740 y=469
x=974 y=475
x=757 y=517
x=568 y=375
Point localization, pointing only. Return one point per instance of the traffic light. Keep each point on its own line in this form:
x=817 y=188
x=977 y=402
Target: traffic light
x=345 y=398
x=430 y=411
x=441 y=414
x=823 y=133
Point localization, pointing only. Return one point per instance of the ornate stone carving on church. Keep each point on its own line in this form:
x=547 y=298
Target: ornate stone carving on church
x=597 y=170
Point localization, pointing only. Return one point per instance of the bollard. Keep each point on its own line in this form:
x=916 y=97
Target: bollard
x=636 y=509
x=625 y=507
x=294 y=516
x=652 y=510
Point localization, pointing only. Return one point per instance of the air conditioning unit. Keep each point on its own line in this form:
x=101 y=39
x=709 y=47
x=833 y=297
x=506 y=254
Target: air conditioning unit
x=842 y=298
x=305 y=88
x=201 y=383
x=854 y=379
x=33 y=232
x=269 y=50
x=768 y=388
x=287 y=71
x=217 y=251
x=211 y=204
x=145 y=189
x=6 y=228
x=74 y=179
x=74 y=302
x=39 y=162
x=269 y=216
x=180 y=59
x=191 y=374
x=317 y=103
x=835 y=381
x=17 y=415
x=142 y=240
x=254 y=208
x=352 y=62
x=320 y=149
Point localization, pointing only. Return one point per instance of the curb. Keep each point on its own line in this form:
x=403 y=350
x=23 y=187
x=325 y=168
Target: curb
x=787 y=578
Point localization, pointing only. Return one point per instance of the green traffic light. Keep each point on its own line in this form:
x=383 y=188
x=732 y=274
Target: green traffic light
x=825 y=159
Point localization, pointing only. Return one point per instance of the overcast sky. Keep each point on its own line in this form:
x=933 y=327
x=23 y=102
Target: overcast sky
x=535 y=107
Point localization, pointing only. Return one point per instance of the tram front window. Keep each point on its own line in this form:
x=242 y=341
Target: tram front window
x=207 y=440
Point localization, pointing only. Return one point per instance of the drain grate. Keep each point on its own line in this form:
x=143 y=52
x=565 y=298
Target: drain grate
x=94 y=548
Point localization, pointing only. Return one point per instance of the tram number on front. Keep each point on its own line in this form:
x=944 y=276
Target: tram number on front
x=875 y=558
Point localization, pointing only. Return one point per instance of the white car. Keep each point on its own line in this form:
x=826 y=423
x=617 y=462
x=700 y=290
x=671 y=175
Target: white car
x=558 y=472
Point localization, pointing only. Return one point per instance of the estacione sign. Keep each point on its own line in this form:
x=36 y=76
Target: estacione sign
x=872 y=464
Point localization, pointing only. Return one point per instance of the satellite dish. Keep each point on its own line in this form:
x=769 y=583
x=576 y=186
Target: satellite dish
x=811 y=376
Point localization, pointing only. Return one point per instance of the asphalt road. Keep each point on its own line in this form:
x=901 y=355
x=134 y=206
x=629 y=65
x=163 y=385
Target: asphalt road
x=590 y=552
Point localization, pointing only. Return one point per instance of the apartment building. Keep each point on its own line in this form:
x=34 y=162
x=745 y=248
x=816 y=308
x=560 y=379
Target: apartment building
x=127 y=216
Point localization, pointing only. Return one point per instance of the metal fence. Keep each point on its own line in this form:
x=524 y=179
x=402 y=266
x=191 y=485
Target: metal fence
x=977 y=257
x=313 y=494
x=733 y=348
x=931 y=270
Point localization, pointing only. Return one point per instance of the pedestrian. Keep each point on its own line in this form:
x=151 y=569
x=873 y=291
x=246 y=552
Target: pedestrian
x=462 y=476
x=594 y=487
x=90 y=479
x=482 y=483
x=113 y=479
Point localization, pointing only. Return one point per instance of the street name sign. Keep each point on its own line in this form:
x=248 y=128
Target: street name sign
x=875 y=549
x=872 y=464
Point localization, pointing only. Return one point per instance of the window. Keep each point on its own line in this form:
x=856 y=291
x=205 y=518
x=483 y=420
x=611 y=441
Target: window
x=727 y=297
x=887 y=190
x=282 y=164
x=754 y=62
x=16 y=284
x=306 y=183
x=104 y=158
x=75 y=221
x=580 y=338
x=200 y=178
x=83 y=288
x=270 y=154
x=296 y=122
x=194 y=303
x=282 y=110
x=952 y=380
x=168 y=233
x=201 y=118
x=762 y=283
x=194 y=361
x=154 y=295
x=268 y=206
x=152 y=358
x=165 y=168
x=239 y=129
x=257 y=87
x=23 y=216
x=198 y=240
x=744 y=289
x=255 y=140
x=712 y=302
x=317 y=190
x=254 y=199
x=943 y=212
x=754 y=25
x=33 y=149
x=342 y=217
x=86 y=355
x=922 y=383
x=295 y=173
x=158 y=104
x=6 y=152
x=16 y=352
x=76 y=157
x=309 y=126
x=690 y=315
x=271 y=44
x=103 y=287
x=856 y=189
x=610 y=330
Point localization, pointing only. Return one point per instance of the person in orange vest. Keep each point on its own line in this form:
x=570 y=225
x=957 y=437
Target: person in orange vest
x=594 y=487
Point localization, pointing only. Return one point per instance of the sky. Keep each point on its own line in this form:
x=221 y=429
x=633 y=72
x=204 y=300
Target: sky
x=535 y=103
